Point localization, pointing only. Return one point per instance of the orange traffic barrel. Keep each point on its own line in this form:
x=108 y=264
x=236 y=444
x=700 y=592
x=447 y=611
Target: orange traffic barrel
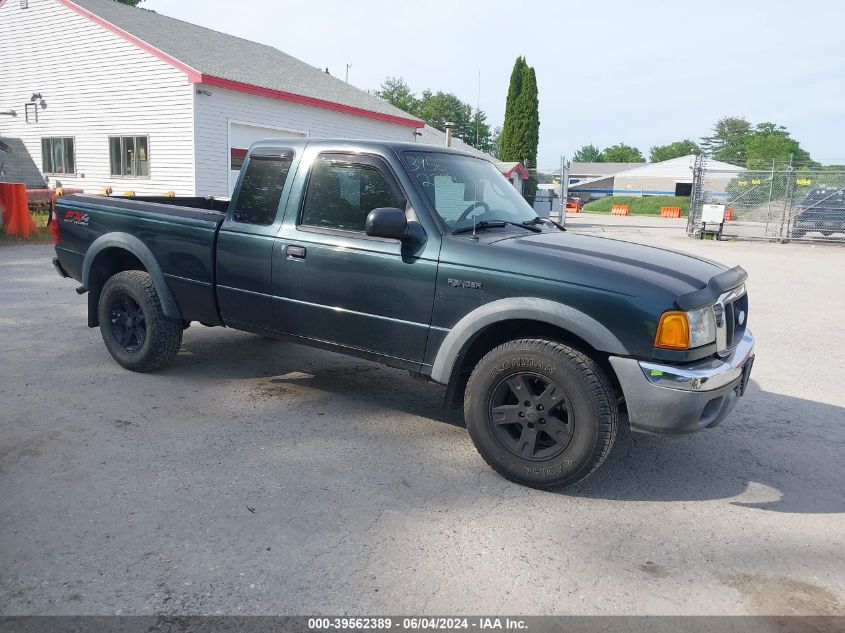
x=16 y=216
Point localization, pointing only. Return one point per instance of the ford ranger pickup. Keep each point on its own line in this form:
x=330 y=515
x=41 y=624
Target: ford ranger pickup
x=428 y=260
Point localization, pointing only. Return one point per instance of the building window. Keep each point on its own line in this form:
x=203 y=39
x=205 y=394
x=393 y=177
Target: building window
x=261 y=189
x=129 y=156
x=57 y=155
x=342 y=193
x=30 y=111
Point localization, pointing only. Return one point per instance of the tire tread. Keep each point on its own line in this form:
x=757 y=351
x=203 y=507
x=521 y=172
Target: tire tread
x=598 y=386
x=165 y=333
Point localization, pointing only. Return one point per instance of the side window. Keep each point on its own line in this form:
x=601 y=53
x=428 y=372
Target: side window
x=342 y=193
x=261 y=189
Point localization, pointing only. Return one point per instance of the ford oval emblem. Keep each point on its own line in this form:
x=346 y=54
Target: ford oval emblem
x=740 y=317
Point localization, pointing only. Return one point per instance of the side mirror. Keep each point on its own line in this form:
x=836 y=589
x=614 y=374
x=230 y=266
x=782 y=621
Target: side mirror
x=387 y=222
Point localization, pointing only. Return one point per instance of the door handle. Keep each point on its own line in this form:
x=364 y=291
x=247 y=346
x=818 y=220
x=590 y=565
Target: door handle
x=296 y=252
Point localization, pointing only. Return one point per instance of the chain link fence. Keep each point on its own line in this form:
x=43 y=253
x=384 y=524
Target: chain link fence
x=781 y=202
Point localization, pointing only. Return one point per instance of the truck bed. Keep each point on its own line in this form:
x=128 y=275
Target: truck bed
x=178 y=232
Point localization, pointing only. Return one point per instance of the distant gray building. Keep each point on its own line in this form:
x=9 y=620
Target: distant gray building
x=667 y=178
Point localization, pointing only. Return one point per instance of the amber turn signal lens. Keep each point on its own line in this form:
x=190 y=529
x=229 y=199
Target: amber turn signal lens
x=672 y=331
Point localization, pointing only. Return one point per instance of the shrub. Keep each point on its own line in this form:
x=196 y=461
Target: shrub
x=645 y=205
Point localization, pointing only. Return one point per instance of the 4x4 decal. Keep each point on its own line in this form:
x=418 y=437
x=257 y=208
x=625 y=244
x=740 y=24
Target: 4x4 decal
x=77 y=217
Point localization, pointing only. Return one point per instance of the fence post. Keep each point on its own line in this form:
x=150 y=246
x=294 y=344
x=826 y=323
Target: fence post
x=787 y=199
x=695 y=194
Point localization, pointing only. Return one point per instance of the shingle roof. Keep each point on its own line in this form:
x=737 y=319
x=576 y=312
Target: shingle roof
x=16 y=165
x=596 y=169
x=218 y=55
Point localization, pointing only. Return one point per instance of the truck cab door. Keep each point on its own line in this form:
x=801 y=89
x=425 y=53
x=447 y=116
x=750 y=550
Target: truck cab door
x=246 y=237
x=333 y=283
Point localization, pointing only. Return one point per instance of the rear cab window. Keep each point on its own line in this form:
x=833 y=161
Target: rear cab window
x=257 y=199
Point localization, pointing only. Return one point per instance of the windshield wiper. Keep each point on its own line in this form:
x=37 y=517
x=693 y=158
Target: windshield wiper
x=487 y=224
x=539 y=220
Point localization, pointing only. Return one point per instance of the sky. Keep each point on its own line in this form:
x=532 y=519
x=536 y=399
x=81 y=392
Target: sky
x=643 y=73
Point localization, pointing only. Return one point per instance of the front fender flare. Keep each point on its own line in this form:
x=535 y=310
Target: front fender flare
x=565 y=317
x=132 y=244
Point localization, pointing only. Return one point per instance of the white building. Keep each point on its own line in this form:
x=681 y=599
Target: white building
x=667 y=178
x=105 y=94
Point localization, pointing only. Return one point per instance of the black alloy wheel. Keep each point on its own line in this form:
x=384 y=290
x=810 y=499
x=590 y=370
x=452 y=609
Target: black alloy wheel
x=531 y=416
x=128 y=324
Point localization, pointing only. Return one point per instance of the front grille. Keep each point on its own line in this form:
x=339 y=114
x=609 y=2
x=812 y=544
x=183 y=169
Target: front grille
x=730 y=309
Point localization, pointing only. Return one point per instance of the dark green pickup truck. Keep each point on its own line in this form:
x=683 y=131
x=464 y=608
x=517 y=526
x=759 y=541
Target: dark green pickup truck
x=425 y=259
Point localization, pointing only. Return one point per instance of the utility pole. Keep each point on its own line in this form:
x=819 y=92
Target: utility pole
x=564 y=184
x=348 y=66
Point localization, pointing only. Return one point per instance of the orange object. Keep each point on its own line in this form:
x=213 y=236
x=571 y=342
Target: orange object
x=573 y=206
x=16 y=216
x=729 y=215
x=670 y=212
x=619 y=209
x=673 y=331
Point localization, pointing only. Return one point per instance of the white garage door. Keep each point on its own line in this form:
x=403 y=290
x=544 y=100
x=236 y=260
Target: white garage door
x=241 y=136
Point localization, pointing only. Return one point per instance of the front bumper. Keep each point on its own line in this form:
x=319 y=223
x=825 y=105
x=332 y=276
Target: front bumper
x=683 y=399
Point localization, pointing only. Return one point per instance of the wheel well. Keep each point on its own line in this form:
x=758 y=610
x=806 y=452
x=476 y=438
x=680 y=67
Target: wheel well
x=498 y=333
x=107 y=263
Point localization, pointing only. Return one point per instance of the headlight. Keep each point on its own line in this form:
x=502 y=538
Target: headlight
x=684 y=330
x=702 y=327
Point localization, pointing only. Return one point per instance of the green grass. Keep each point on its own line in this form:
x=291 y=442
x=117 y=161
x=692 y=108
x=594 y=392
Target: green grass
x=646 y=205
x=42 y=235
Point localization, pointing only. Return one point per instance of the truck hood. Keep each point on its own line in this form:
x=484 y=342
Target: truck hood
x=608 y=264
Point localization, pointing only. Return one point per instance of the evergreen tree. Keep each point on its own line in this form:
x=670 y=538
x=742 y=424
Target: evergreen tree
x=514 y=89
x=521 y=130
x=728 y=140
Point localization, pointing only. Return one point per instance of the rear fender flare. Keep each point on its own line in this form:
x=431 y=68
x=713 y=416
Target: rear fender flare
x=131 y=244
x=520 y=308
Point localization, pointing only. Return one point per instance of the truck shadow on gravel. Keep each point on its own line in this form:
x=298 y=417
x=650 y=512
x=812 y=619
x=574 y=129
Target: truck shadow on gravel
x=289 y=371
x=774 y=452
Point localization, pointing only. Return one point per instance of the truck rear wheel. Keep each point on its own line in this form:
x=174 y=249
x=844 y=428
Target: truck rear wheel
x=136 y=332
x=540 y=413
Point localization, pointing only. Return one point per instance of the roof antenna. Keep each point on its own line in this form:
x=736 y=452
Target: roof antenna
x=477 y=127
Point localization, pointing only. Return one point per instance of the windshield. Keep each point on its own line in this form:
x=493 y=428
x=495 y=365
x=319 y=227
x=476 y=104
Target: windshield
x=465 y=190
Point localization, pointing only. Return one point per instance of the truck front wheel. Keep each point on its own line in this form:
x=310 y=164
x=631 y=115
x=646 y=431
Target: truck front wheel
x=135 y=330
x=540 y=413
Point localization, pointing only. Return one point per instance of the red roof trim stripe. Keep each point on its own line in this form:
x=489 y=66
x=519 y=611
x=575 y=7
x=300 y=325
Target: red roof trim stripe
x=518 y=167
x=194 y=77
x=281 y=95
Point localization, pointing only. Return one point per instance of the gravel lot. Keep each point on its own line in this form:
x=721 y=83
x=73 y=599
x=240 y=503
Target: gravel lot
x=263 y=477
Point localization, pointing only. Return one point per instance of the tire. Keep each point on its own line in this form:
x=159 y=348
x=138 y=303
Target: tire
x=136 y=332
x=565 y=433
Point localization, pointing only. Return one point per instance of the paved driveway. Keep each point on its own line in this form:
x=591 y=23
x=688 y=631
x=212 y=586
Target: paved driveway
x=264 y=477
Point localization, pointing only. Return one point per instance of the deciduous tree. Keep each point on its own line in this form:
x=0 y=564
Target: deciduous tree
x=659 y=153
x=397 y=92
x=588 y=154
x=622 y=153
